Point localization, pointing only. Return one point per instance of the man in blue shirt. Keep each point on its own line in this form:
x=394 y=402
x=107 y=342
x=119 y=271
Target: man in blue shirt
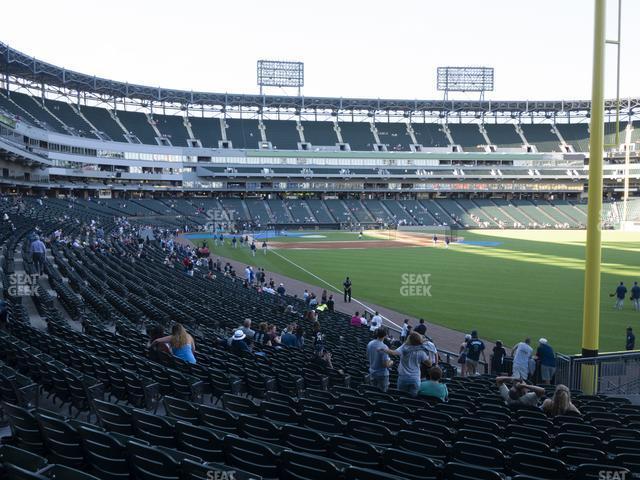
x=621 y=292
x=475 y=347
x=547 y=358
x=635 y=296
x=379 y=361
x=288 y=338
x=631 y=339
x=38 y=251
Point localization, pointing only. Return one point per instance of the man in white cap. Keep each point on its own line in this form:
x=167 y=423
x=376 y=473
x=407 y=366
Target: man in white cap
x=547 y=358
x=238 y=343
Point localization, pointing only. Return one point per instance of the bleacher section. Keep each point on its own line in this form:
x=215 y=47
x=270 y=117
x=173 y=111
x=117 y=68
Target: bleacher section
x=207 y=130
x=430 y=135
x=534 y=213
x=283 y=134
x=399 y=214
x=576 y=135
x=491 y=210
x=577 y=216
x=556 y=214
x=339 y=211
x=541 y=136
x=394 y=136
x=320 y=211
x=319 y=133
x=71 y=119
x=378 y=212
x=258 y=211
x=32 y=105
x=503 y=135
x=457 y=213
x=513 y=212
x=467 y=135
x=358 y=135
x=137 y=124
x=477 y=214
x=101 y=119
x=299 y=212
x=279 y=212
x=172 y=126
x=357 y=209
x=236 y=209
x=243 y=133
x=442 y=216
x=419 y=212
x=6 y=105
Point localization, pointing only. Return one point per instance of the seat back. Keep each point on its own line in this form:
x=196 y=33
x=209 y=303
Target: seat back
x=104 y=454
x=303 y=466
x=62 y=441
x=200 y=441
x=114 y=418
x=251 y=456
x=150 y=463
x=154 y=429
x=409 y=465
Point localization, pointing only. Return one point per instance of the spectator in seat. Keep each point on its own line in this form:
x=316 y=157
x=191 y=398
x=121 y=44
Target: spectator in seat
x=246 y=329
x=379 y=361
x=520 y=393
x=431 y=386
x=182 y=344
x=260 y=337
x=412 y=354
x=560 y=403
x=239 y=343
x=156 y=350
x=289 y=338
x=355 y=320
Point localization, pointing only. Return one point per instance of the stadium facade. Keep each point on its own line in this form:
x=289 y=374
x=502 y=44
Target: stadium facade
x=63 y=131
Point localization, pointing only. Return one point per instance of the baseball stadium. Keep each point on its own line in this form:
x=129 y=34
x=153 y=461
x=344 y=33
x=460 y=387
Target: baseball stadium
x=201 y=285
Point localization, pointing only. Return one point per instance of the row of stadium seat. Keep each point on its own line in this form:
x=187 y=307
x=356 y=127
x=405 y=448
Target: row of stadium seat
x=93 y=122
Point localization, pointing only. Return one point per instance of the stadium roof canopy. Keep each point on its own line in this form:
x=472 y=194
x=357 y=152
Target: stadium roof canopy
x=14 y=63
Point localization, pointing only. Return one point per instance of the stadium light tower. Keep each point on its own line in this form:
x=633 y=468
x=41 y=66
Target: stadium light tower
x=465 y=79
x=274 y=73
x=591 y=305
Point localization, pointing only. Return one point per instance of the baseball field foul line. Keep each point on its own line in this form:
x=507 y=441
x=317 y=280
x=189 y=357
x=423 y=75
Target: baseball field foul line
x=370 y=310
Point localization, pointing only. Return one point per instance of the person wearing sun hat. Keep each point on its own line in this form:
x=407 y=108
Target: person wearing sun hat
x=547 y=358
x=238 y=343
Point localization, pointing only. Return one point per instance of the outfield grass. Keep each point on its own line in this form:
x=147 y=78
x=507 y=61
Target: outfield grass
x=529 y=285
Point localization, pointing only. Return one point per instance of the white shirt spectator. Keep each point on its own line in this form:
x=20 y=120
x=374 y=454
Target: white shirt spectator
x=376 y=323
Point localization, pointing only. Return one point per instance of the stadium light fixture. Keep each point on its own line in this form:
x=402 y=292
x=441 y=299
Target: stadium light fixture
x=465 y=79
x=275 y=73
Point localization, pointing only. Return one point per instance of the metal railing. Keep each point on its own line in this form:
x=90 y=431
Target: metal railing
x=616 y=373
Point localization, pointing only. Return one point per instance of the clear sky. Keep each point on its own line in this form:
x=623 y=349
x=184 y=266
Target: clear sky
x=540 y=49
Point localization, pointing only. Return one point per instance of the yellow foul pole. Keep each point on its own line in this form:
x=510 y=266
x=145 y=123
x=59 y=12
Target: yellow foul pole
x=591 y=313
